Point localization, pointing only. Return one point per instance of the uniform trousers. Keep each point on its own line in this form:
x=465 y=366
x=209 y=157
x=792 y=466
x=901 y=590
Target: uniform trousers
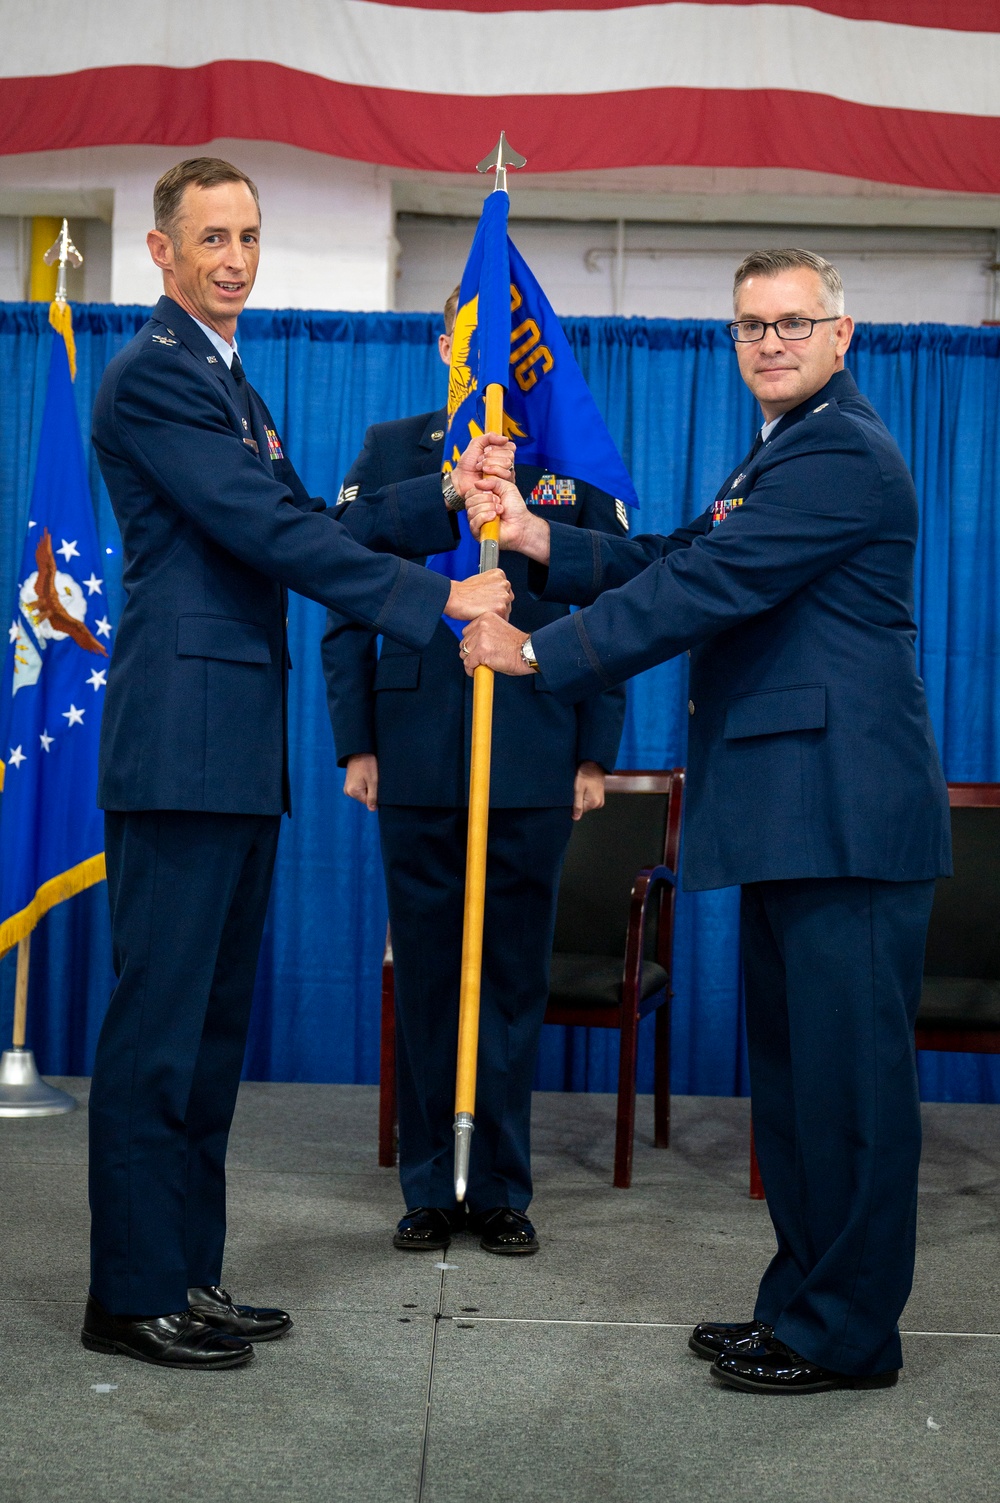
x=832 y=973
x=423 y=852
x=188 y=894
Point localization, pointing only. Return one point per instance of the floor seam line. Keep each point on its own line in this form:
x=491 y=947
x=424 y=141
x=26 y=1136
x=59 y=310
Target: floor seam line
x=435 y=1325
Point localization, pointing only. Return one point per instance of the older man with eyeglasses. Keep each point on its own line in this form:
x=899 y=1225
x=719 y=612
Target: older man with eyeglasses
x=813 y=782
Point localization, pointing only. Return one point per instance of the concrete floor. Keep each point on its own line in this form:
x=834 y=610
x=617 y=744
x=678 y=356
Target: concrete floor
x=565 y=1376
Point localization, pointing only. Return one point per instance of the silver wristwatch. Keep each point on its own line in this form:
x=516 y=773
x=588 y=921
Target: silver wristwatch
x=528 y=655
x=452 y=500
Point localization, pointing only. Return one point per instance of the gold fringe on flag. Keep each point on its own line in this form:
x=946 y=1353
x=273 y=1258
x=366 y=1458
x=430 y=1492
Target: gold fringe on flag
x=61 y=319
x=54 y=891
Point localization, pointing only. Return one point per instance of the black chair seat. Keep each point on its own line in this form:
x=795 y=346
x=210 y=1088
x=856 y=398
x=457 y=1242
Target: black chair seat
x=965 y=1003
x=596 y=980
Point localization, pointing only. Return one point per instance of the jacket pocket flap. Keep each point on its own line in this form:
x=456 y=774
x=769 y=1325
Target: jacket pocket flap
x=773 y=711
x=398 y=671
x=222 y=637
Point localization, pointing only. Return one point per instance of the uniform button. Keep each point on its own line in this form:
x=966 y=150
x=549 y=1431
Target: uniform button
x=690 y=706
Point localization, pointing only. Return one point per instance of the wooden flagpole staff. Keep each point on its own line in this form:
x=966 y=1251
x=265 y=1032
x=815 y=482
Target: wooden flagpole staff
x=479 y=797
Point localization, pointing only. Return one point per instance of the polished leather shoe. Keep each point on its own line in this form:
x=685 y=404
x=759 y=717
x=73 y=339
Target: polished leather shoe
x=177 y=1340
x=711 y=1339
x=772 y=1367
x=428 y=1228
x=215 y=1307
x=504 y=1230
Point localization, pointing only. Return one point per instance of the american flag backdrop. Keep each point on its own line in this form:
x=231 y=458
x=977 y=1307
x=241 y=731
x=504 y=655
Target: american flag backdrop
x=895 y=91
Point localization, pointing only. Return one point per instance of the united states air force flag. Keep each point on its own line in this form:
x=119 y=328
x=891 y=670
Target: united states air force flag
x=52 y=687
x=506 y=332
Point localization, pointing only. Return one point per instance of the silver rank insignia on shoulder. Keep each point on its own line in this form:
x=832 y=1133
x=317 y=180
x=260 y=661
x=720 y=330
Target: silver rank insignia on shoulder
x=162 y=339
x=212 y=359
x=347 y=493
x=436 y=435
x=621 y=512
x=821 y=406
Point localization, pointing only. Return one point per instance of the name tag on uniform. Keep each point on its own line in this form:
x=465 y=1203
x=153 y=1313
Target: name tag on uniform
x=251 y=443
x=721 y=509
x=553 y=490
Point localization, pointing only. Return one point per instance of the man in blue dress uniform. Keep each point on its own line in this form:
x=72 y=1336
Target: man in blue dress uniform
x=402 y=726
x=813 y=781
x=216 y=527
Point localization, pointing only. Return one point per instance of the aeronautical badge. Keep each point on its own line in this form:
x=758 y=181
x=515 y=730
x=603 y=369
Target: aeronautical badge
x=347 y=493
x=162 y=339
x=621 y=513
x=721 y=509
x=274 y=448
x=553 y=490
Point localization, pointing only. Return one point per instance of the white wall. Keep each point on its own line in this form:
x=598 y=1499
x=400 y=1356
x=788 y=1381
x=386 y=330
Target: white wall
x=893 y=275
x=327 y=233
x=330 y=231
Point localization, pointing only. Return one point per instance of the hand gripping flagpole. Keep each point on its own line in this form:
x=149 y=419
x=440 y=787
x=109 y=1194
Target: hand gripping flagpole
x=497 y=162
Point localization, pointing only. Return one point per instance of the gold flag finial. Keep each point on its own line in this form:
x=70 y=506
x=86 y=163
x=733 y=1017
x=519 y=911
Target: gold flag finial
x=66 y=254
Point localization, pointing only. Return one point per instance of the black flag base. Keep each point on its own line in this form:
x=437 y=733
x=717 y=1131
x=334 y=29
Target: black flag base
x=23 y=1092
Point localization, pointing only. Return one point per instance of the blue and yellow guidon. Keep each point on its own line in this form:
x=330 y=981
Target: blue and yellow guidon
x=506 y=331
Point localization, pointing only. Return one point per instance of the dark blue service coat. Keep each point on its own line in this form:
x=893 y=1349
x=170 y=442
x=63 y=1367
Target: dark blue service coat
x=195 y=710
x=413 y=705
x=810 y=750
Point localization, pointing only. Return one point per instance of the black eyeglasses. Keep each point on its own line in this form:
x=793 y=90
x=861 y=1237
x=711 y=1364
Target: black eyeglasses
x=752 y=330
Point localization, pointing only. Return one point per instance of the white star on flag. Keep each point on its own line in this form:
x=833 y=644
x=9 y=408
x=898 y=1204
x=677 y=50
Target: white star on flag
x=16 y=757
x=97 y=678
x=12 y=634
x=104 y=627
x=73 y=715
x=46 y=740
x=93 y=584
x=69 y=550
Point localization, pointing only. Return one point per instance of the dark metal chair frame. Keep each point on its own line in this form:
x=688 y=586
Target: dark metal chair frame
x=652 y=884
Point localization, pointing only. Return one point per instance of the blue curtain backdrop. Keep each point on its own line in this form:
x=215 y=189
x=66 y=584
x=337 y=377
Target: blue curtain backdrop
x=672 y=397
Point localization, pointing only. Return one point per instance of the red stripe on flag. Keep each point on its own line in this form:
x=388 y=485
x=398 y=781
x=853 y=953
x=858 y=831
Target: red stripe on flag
x=944 y=15
x=557 y=133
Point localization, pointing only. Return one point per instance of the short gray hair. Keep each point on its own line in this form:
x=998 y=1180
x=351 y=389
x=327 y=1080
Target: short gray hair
x=769 y=263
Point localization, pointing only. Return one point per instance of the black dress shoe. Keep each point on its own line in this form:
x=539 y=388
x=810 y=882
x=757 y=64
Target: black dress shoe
x=504 y=1230
x=772 y=1367
x=429 y=1228
x=711 y=1339
x=215 y=1307
x=177 y=1340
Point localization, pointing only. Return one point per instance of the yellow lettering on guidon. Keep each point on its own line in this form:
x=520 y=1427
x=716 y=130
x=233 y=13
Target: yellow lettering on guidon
x=527 y=350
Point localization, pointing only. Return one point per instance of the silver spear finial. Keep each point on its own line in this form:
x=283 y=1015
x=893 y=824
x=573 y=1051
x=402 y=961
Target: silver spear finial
x=66 y=253
x=500 y=158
